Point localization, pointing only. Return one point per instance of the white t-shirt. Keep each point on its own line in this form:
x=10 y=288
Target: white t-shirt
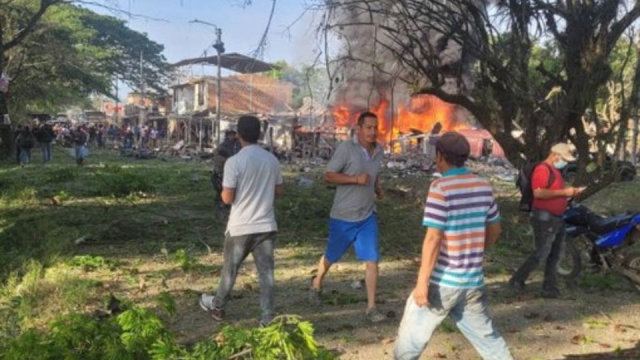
x=253 y=173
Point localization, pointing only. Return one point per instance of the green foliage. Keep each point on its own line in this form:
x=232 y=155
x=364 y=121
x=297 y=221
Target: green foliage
x=62 y=175
x=71 y=54
x=139 y=334
x=308 y=81
x=166 y=302
x=185 y=261
x=90 y=263
x=119 y=182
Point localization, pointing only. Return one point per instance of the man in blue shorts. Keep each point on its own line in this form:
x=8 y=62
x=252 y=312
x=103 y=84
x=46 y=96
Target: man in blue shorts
x=353 y=221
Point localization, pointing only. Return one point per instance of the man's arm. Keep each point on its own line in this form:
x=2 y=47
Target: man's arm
x=493 y=231
x=336 y=178
x=228 y=195
x=550 y=194
x=379 y=189
x=430 y=248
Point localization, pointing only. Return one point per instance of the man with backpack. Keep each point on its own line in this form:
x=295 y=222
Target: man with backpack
x=545 y=195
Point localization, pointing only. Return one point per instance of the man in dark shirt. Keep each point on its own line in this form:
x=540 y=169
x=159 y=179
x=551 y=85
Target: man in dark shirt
x=229 y=147
x=549 y=203
x=44 y=134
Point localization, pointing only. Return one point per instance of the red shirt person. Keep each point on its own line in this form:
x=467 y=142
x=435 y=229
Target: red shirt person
x=550 y=197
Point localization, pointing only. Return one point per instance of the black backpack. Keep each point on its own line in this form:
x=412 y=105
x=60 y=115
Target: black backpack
x=523 y=182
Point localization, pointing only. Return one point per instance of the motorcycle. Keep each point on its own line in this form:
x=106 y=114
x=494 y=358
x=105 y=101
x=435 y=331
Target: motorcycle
x=606 y=243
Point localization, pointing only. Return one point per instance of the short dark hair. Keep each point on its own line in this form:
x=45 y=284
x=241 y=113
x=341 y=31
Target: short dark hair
x=454 y=148
x=249 y=128
x=365 y=115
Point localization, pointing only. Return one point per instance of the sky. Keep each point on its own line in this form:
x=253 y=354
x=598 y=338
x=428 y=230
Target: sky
x=242 y=27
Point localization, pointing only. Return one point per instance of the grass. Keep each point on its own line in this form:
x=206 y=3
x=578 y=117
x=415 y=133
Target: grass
x=71 y=236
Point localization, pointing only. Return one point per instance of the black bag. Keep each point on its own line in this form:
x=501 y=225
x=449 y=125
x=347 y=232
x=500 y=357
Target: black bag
x=523 y=182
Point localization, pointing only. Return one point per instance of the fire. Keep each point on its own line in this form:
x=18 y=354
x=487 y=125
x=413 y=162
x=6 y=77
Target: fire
x=421 y=114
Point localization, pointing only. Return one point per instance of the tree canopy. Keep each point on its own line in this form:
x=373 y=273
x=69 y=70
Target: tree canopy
x=70 y=53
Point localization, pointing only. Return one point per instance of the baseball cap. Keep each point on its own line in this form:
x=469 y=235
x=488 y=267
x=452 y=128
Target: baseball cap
x=454 y=144
x=564 y=150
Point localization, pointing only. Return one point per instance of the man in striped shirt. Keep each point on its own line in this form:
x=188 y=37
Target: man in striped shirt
x=462 y=220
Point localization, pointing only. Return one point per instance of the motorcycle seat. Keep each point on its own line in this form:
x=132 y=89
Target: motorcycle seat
x=602 y=225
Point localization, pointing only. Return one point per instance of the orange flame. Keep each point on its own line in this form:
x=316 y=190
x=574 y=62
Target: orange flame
x=421 y=114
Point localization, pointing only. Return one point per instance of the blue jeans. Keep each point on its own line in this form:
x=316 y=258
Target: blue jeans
x=46 y=151
x=468 y=309
x=25 y=156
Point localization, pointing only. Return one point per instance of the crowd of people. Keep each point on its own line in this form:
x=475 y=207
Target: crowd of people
x=461 y=218
x=79 y=137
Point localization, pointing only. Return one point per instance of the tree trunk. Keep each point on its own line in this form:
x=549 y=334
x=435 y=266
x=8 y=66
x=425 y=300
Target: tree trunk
x=634 y=156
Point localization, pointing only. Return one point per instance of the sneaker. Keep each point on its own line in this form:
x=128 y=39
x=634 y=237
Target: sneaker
x=516 y=285
x=374 y=315
x=207 y=304
x=314 y=296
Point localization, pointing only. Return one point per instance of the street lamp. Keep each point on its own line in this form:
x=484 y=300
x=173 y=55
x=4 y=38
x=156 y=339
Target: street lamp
x=219 y=46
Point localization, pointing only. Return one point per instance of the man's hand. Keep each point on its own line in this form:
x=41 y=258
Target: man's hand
x=379 y=193
x=363 y=179
x=421 y=295
x=572 y=191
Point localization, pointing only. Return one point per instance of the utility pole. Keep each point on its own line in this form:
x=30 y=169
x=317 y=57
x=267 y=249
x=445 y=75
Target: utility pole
x=219 y=46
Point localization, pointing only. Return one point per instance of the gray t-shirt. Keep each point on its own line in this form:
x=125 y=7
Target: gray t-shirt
x=354 y=202
x=253 y=173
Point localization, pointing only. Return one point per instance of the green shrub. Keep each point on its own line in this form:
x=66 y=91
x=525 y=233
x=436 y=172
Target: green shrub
x=185 y=261
x=90 y=263
x=119 y=182
x=139 y=334
x=62 y=175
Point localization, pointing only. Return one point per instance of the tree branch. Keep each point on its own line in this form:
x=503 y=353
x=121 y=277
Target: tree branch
x=619 y=27
x=44 y=6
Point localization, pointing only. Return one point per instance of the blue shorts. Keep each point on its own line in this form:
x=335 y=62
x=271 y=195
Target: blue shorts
x=362 y=234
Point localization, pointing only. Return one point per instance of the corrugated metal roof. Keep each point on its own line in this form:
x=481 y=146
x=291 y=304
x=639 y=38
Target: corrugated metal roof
x=234 y=62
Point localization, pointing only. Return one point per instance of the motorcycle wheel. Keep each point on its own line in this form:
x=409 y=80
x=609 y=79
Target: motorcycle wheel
x=570 y=265
x=632 y=262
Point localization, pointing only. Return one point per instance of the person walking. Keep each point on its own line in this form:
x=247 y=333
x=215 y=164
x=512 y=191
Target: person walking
x=462 y=220
x=252 y=179
x=353 y=219
x=45 y=135
x=79 y=138
x=550 y=200
x=25 y=142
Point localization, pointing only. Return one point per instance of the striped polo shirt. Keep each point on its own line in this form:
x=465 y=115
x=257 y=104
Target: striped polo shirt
x=460 y=204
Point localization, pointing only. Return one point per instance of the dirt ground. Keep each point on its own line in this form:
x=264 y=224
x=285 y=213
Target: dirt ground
x=582 y=322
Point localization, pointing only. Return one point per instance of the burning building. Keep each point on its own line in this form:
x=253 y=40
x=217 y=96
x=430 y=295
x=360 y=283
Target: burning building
x=367 y=76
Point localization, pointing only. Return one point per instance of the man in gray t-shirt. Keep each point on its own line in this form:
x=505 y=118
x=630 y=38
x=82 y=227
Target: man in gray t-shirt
x=252 y=179
x=353 y=221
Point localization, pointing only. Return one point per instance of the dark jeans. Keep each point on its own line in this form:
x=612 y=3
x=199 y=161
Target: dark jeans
x=25 y=156
x=549 y=237
x=46 y=151
x=236 y=249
